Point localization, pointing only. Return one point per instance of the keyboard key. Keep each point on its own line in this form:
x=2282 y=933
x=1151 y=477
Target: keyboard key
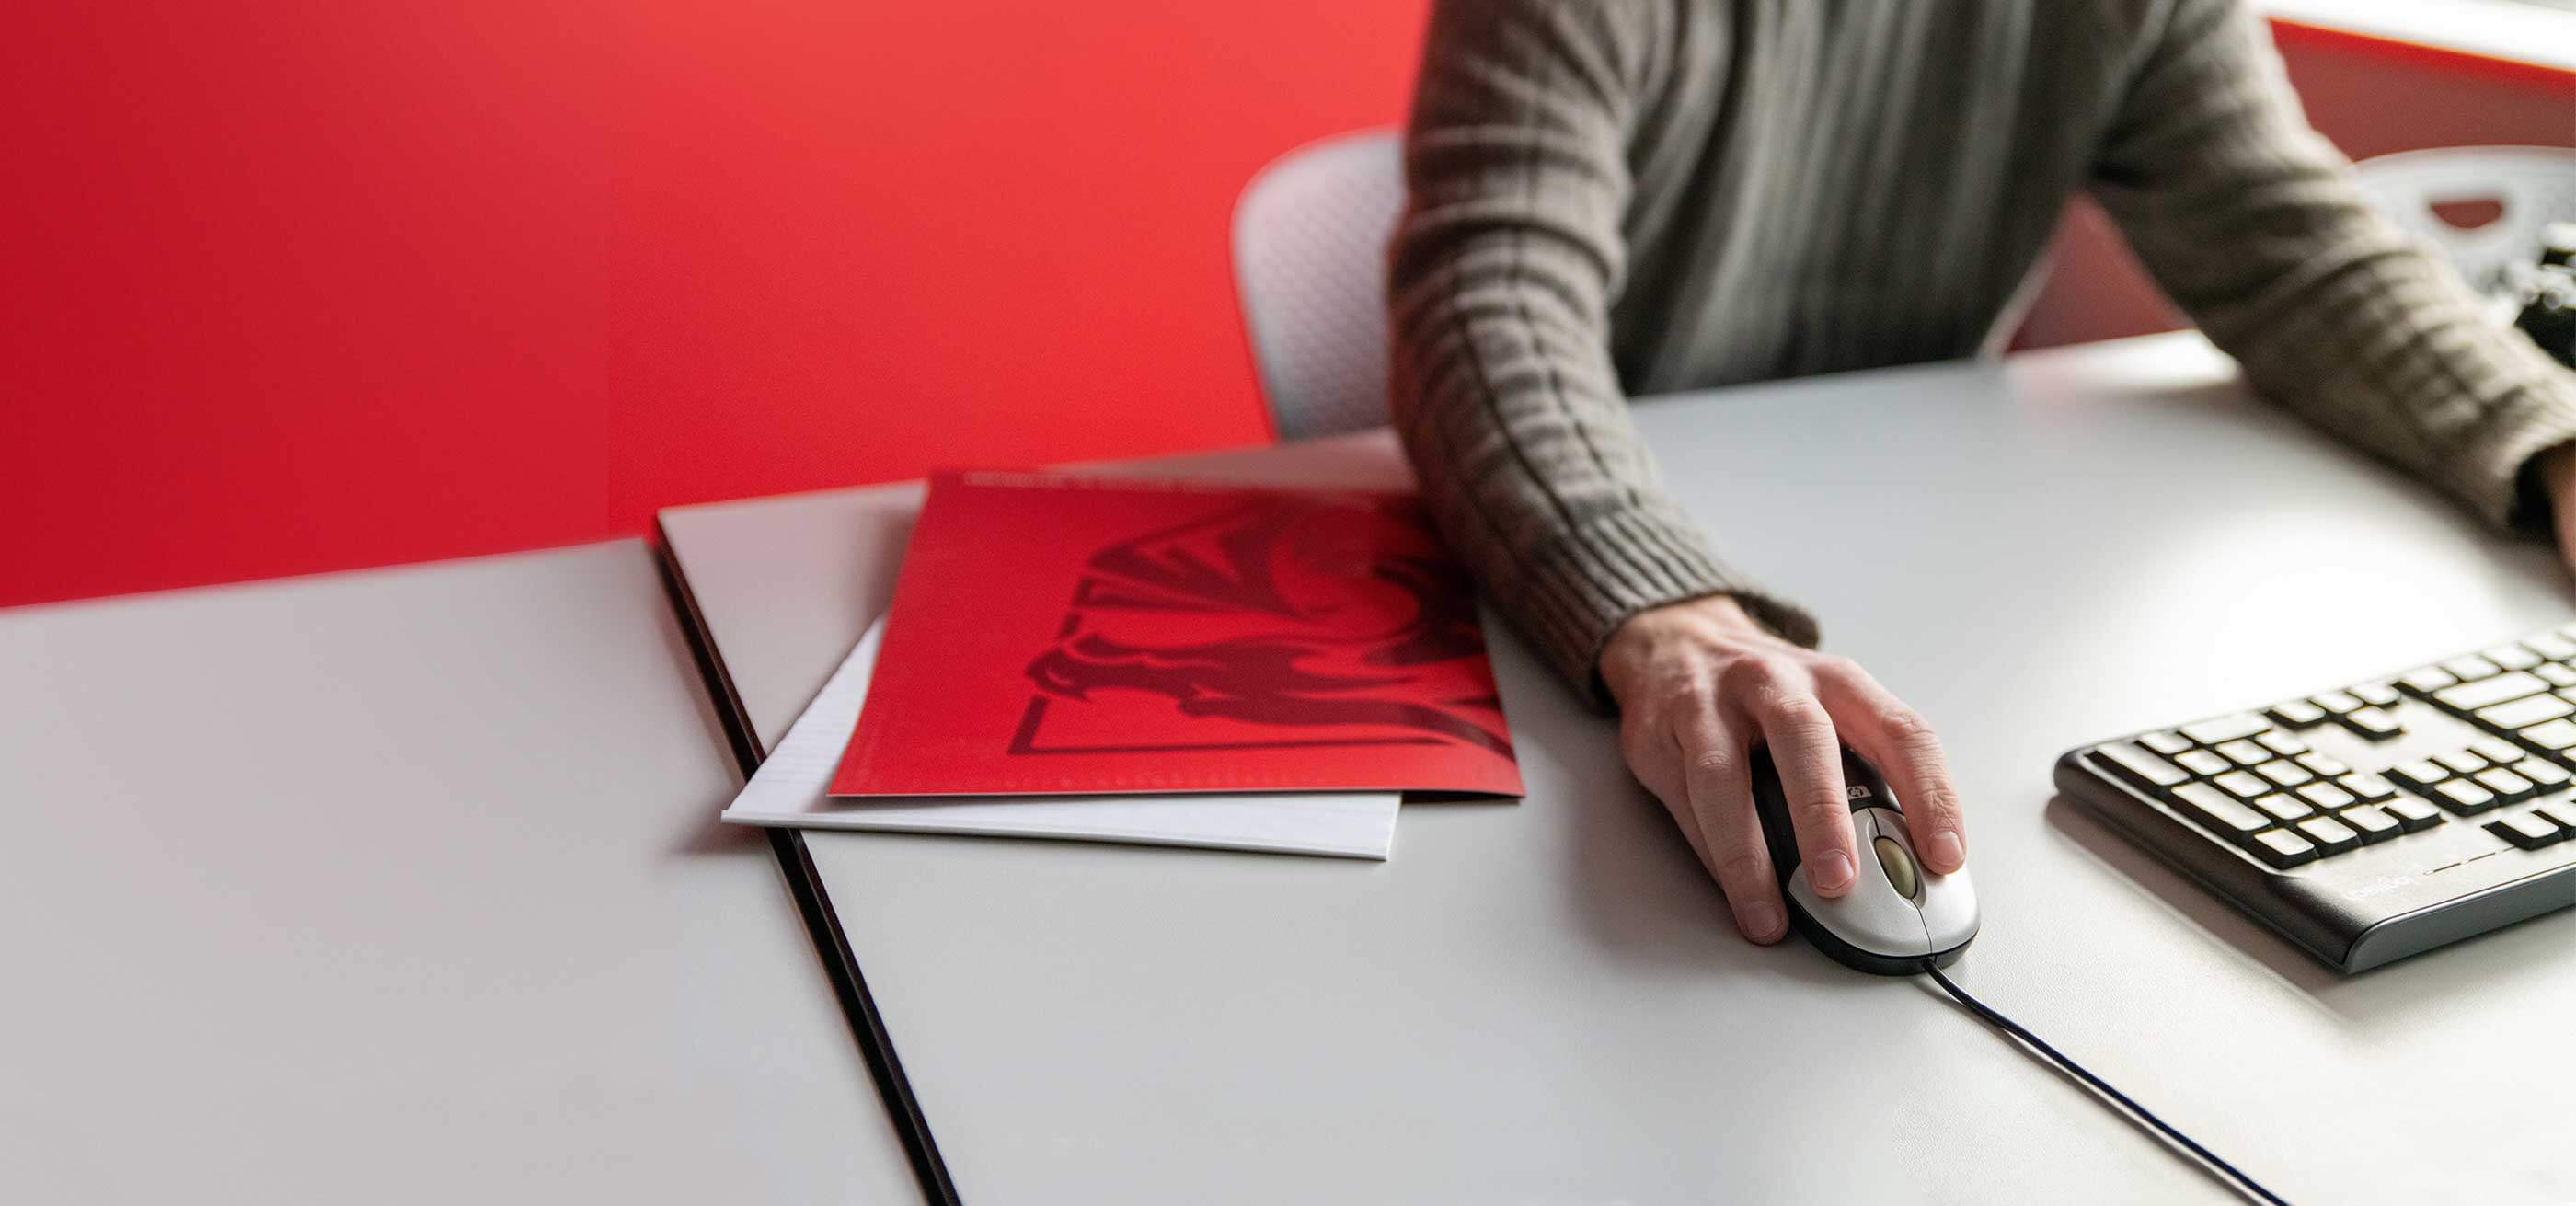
x=2283 y=849
x=2211 y=807
x=2336 y=703
x=2335 y=837
x=2167 y=744
x=2284 y=772
x=2502 y=753
x=2472 y=667
x=2525 y=830
x=2203 y=763
x=2524 y=712
x=2298 y=714
x=2284 y=744
x=2327 y=796
x=2556 y=737
x=2140 y=767
x=2462 y=762
x=2370 y=788
x=2372 y=824
x=2561 y=814
x=2244 y=753
x=2512 y=657
x=2427 y=680
x=2284 y=806
x=2244 y=785
x=2488 y=692
x=2412 y=813
x=2464 y=797
x=2377 y=695
x=2551 y=646
x=2418 y=773
x=2547 y=776
x=2555 y=675
x=2377 y=724
x=2222 y=729
x=2508 y=786
x=2324 y=766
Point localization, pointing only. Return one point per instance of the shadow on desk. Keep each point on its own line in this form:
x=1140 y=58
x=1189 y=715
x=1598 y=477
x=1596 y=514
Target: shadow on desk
x=712 y=837
x=2431 y=982
x=1639 y=890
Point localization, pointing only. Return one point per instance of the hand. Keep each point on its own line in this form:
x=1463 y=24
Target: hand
x=1699 y=683
x=2558 y=476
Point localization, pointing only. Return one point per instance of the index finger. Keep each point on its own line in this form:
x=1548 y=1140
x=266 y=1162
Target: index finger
x=1900 y=743
x=1810 y=757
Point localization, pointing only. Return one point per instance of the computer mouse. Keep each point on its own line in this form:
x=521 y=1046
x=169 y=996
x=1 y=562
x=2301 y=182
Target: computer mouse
x=1897 y=913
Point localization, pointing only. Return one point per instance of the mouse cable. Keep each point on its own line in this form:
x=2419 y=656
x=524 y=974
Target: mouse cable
x=2070 y=1067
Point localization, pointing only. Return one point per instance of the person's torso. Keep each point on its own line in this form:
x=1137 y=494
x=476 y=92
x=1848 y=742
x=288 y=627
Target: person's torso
x=1824 y=185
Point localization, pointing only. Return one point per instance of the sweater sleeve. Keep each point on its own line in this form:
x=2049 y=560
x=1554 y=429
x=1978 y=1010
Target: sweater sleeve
x=1500 y=280
x=2252 y=223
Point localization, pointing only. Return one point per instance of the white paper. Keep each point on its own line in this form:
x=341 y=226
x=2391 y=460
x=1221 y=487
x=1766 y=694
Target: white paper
x=792 y=789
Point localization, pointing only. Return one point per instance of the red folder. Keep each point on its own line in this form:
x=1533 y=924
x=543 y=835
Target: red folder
x=1055 y=634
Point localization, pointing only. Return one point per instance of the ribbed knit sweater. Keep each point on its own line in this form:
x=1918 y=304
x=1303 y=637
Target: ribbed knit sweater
x=1617 y=196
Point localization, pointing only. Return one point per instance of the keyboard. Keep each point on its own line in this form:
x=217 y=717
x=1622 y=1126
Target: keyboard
x=2373 y=821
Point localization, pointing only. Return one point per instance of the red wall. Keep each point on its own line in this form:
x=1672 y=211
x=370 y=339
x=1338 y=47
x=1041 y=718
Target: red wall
x=301 y=286
x=305 y=286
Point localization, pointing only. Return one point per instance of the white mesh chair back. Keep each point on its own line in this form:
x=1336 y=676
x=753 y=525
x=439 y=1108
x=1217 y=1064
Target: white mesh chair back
x=2534 y=186
x=1310 y=236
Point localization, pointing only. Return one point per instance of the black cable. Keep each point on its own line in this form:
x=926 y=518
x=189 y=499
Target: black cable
x=2142 y=1113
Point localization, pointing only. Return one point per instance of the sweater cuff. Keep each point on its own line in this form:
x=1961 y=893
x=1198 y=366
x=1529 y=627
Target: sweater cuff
x=2502 y=482
x=1579 y=588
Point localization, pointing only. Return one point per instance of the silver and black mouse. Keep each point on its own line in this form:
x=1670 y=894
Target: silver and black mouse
x=1897 y=913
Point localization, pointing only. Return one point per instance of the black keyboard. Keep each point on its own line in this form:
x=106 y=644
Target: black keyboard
x=2371 y=822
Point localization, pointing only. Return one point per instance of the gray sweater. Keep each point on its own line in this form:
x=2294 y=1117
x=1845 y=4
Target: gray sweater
x=1615 y=196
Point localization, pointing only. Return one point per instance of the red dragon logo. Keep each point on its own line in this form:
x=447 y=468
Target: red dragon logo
x=1336 y=620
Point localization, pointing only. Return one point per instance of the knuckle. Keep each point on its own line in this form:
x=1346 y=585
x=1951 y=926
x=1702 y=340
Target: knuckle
x=1712 y=765
x=1839 y=666
x=1743 y=869
x=1673 y=681
x=1906 y=726
x=1796 y=714
x=1819 y=812
x=1750 y=674
x=1693 y=694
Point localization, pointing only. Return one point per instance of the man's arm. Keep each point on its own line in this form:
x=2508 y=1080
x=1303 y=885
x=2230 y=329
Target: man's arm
x=2252 y=223
x=1500 y=280
x=1500 y=283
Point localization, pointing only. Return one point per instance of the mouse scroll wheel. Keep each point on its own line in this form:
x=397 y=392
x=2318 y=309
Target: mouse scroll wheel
x=1899 y=865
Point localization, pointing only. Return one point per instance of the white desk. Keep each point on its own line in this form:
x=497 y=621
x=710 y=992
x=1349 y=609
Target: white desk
x=1543 y=1002
x=402 y=886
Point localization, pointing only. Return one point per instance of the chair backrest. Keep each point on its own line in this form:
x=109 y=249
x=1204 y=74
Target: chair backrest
x=1310 y=236
x=2532 y=186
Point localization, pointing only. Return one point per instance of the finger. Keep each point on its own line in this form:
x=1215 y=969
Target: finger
x=1656 y=761
x=1721 y=801
x=1810 y=757
x=1900 y=743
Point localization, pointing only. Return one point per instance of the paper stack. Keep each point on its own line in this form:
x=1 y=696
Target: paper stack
x=790 y=789
x=1153 y=661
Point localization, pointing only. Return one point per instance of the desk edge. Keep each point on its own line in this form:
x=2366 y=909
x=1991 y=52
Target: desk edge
x=813 y=902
